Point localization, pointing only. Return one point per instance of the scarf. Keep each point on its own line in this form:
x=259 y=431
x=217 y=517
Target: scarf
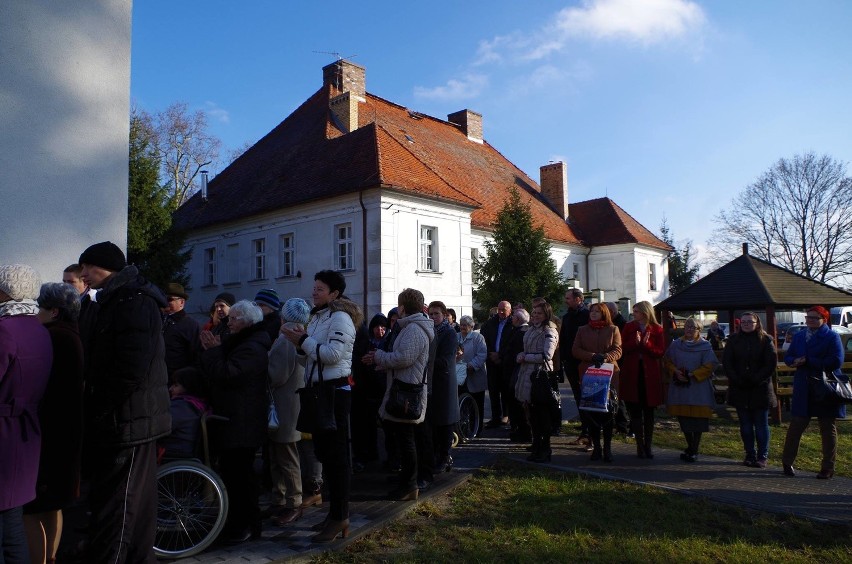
x=18 y=307
x=600 y=324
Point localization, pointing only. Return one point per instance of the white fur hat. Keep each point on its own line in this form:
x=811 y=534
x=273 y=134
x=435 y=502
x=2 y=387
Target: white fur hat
x=19 y=281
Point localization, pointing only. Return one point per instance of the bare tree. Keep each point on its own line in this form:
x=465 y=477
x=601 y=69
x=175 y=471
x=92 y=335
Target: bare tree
x=798 y=215
x=185 y=148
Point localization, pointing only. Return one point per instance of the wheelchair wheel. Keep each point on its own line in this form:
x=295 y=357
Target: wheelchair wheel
x=192 y=505
x=468 y=425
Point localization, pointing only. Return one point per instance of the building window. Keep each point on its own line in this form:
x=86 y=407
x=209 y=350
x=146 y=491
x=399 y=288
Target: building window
x=343 y=246
x=474 y=264
x=428 y=248
x=288 y=255
x=210 y=266
x=232 y=260
x=652 y=277
x=576 y=271
x=259 y=248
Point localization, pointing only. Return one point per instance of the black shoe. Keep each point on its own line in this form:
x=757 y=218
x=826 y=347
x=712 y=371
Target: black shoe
x=238 y=537
x=494 y=424
x=789 y=470
x=596 y=454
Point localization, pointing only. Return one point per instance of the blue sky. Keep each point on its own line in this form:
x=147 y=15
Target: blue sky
x=669 y=107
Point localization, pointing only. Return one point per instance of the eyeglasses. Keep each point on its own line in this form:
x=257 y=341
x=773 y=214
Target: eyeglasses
x=746 y=322
x=813 y=317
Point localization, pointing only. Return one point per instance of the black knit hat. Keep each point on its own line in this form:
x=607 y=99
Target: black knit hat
x=106 y=255
x=226 y=297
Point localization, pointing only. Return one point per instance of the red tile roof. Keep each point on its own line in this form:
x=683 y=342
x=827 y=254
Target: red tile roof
x=307 y=158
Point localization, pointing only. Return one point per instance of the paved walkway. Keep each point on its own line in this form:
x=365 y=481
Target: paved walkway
x=718 y=479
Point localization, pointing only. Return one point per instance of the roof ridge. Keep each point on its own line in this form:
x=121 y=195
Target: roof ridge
x=766 y=291
x=619 y=210
x=425 y=165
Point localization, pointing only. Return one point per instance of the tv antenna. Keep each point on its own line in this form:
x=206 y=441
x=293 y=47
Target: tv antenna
x=336 y=54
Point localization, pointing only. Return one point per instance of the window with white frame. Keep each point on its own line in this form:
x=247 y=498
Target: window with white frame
x=232 y=261
x=259 y=250
x=428 y=248
x=210 y=266
x=474 y=263
x=287 y=254
x=575 y=274
x=652 y=276
x=343 y=246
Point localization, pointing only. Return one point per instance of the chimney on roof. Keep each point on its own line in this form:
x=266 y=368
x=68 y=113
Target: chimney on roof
x=745 y=248
x=346 y=77
x=554 y=186
x=349 y=79
x=470 y=122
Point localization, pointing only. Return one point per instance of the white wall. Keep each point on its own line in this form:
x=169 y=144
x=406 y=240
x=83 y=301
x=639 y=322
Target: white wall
x=64 y=99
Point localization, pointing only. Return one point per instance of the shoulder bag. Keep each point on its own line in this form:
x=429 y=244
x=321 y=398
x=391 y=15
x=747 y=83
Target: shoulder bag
x=405 y=401
x=542 y=390
x=829 y=388
x=316 y=404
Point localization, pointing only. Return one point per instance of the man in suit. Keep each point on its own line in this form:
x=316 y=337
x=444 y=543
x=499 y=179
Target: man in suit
x=496 y=332
x=576 y=316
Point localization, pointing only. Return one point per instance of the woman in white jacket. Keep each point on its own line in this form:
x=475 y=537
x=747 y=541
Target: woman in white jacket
x=406 y=362
x=327 y=345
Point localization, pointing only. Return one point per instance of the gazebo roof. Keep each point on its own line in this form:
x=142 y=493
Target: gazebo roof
x=748 y=282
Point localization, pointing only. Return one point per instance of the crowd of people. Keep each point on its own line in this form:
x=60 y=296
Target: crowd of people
x=104 y=375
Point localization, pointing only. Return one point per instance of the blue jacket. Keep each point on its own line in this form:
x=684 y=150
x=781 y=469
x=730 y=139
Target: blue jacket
x=823 y=352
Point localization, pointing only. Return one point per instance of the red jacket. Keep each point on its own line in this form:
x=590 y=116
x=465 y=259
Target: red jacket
x=650 y=352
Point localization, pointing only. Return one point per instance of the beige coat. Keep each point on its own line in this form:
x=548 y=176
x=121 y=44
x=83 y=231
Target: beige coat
x=591 y=341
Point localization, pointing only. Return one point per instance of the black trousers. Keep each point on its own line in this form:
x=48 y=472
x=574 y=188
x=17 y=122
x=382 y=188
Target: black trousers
x=496 y=391
x=237 y=468
x=365 y=431
x=407 y=448
x=13 y=541
x=123 y=502
x=572 y=374
x=332 y=449
x=425 y=449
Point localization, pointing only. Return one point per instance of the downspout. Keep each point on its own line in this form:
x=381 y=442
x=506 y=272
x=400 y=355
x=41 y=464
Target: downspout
x=364 y=246
x=588 y=273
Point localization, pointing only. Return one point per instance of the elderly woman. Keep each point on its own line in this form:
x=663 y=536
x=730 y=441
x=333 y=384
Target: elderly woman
x=814 y=350
x=25 y=360
x=689 y=362
x=442 y=412
x=286 y=376
x=61 y=417
x=327 y=345
x=641 y=382
x=540 y=343
x=473 y=352
x=597 y=342
x=236 y=372
x=750 y=361
x=519 y=431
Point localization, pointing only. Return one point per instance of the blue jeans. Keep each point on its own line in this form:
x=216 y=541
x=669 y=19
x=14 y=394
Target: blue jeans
x=754 y=424
x=13 y=541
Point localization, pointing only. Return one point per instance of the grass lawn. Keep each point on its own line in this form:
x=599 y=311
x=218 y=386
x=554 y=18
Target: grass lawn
x=724 y=440
x=516 y=513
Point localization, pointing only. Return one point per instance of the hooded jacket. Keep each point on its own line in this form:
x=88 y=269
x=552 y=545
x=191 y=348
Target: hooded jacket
x=407 y=360
x=126 y=394
x=330 y=340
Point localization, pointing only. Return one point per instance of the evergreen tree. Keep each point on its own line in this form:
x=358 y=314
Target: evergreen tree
x=681 y=272
x=517 y=266
x=151 y=243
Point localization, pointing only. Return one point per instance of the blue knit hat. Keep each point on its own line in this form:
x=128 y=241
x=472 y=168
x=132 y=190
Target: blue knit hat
x=268 y=297
x=296 y=310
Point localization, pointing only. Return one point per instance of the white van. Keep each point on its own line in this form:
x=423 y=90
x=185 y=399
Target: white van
x=841 y=316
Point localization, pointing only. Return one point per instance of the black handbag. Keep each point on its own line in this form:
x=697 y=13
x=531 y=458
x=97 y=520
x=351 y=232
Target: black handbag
x=830 y=389
x=542 y=390
x=316 y=405
x=405 y=400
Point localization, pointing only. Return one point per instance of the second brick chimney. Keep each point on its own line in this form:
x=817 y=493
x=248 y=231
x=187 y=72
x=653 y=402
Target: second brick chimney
x=470 y=122
x=554 y=186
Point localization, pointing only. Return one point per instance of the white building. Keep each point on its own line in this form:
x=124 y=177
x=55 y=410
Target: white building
x=393 y=199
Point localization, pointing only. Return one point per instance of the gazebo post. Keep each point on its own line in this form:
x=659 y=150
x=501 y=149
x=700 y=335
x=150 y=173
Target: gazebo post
x=772 y=330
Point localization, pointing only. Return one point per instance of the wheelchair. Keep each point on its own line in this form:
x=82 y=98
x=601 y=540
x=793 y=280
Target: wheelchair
x=192 y=503
x=468 y=426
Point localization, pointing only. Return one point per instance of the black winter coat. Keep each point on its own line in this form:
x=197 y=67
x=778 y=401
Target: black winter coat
x=127 y=396
x=236 y=373
x=180 y=333
x=749 y=365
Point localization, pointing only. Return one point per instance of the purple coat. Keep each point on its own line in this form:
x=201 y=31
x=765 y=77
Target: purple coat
x=25 y=359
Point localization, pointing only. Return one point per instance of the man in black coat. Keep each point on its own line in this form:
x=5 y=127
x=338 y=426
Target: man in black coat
x=180 y=331
x=576 y=316
x=496 y=332
x=126 y=407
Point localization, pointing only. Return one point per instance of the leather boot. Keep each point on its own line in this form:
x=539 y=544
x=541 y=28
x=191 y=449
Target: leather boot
x=648 y=437
x=313 y=495
x=596 y=444
x=331 y=530
x=536 y=450
x=639 y=433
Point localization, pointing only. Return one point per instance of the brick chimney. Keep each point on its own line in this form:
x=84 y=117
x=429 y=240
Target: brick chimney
x=470 y=122
x=349 y=78
x=554 y=186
